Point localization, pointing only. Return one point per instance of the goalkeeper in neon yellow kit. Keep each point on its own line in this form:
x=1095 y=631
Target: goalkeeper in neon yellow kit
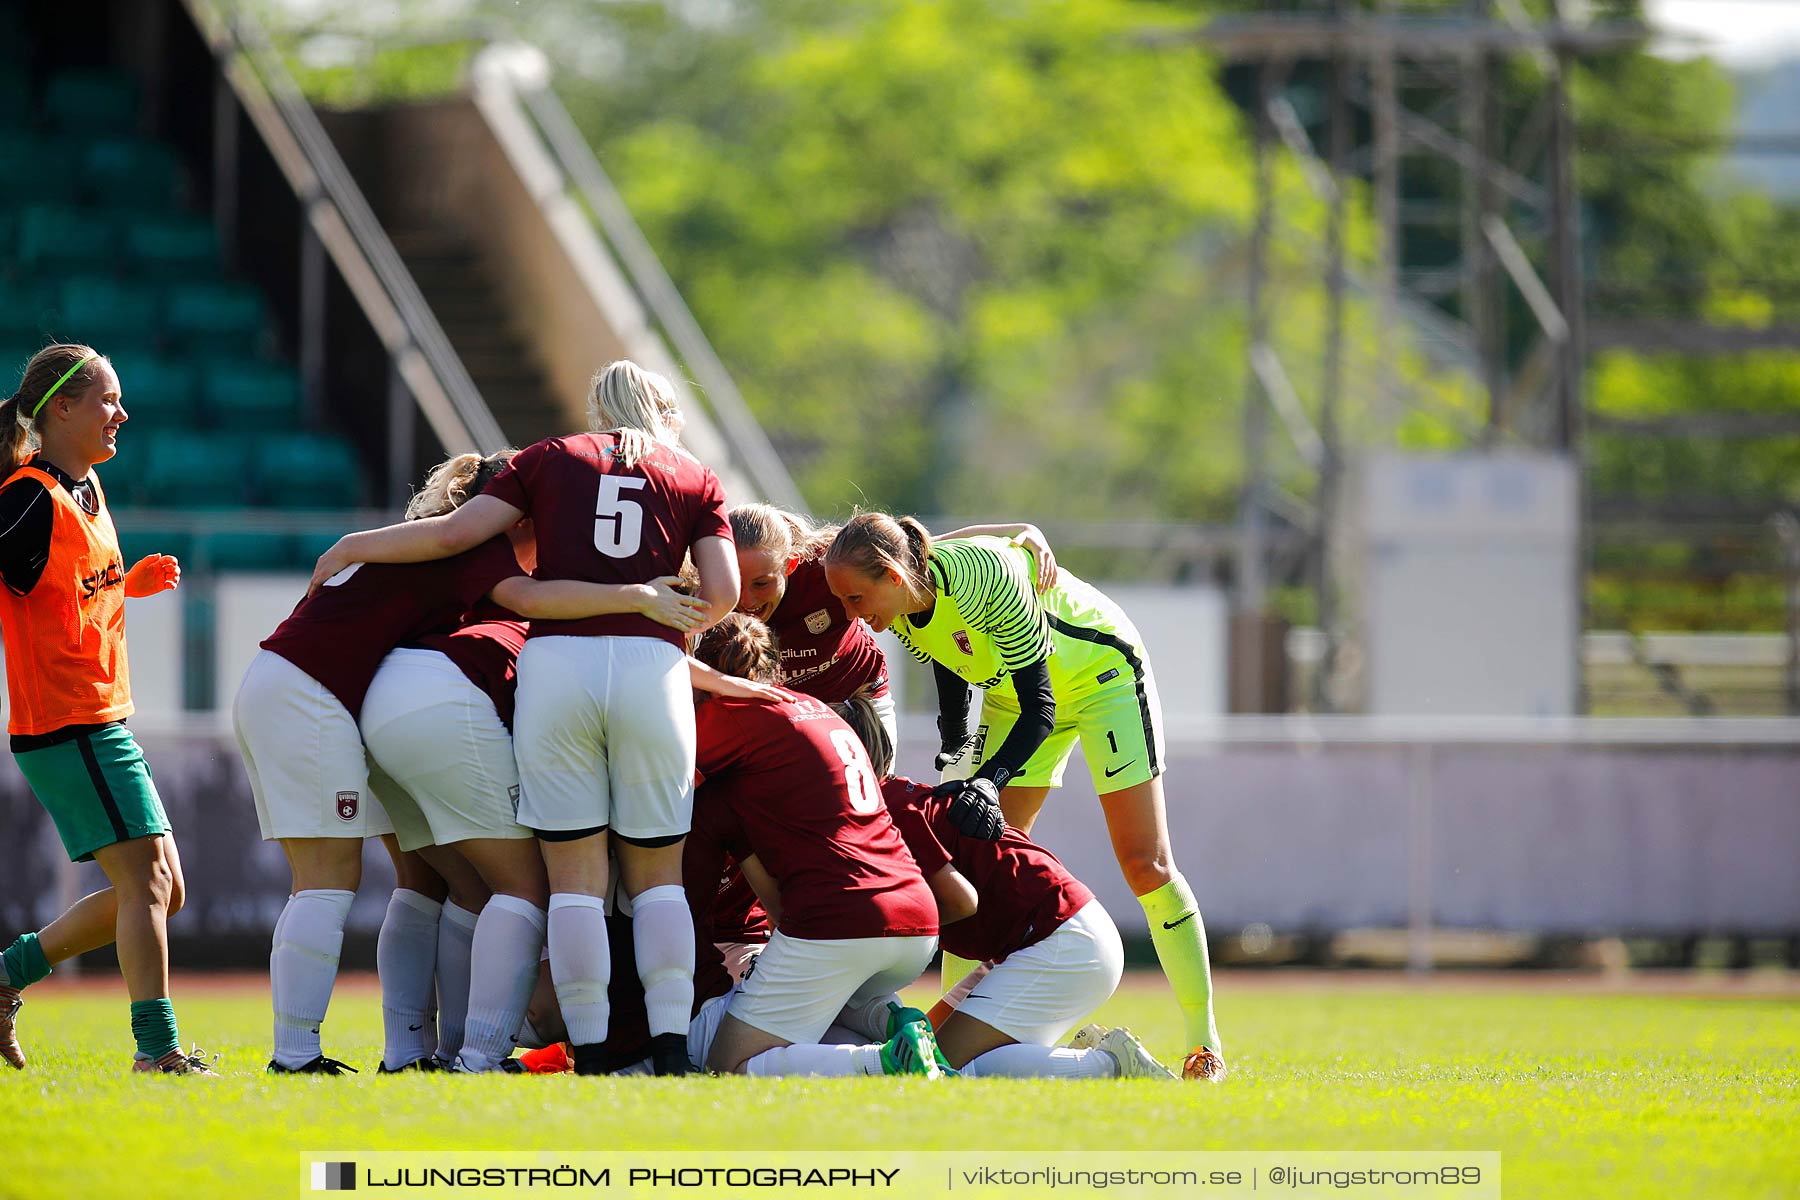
x=1054 y=668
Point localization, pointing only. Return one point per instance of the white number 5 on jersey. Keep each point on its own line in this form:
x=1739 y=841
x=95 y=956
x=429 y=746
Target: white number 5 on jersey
x=618 y=522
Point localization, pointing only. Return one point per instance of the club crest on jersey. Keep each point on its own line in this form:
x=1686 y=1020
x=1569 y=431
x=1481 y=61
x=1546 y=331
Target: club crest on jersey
x=962 y=642
x=818 y=622
x=348 y=804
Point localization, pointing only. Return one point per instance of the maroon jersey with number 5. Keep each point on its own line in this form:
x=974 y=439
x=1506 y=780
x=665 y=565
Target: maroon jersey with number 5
x=600 y=521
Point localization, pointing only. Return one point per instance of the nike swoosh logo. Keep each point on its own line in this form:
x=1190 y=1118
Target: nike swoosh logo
x=1116 y=770
x=414 y=1028
x=1182 y=921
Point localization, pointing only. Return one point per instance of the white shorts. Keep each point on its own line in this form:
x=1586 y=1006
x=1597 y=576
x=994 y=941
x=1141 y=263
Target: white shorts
x=304 y=756
x=604 y=735
x=739 y=956
x=800 y=986
x=1037 y=994
x=438 y=737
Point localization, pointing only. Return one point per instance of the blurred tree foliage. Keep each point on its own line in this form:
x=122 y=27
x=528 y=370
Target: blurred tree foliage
x=964 y=256
x=988 y=255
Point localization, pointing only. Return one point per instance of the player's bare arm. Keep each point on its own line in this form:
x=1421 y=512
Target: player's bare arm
x=425 y=540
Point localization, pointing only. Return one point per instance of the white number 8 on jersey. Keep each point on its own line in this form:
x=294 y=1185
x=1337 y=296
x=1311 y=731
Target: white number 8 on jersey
x=859 y=776
x=618 y=522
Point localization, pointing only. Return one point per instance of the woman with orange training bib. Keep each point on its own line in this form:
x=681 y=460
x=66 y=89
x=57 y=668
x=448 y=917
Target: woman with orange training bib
x=62 y=613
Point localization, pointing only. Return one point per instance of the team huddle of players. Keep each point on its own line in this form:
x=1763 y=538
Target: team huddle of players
x=631 y=751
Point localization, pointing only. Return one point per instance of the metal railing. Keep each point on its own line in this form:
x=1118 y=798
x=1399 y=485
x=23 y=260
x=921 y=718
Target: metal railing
x=648 y=278
x=347 y=228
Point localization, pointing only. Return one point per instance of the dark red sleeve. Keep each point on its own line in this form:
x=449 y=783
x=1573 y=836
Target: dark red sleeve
x=918 y=837
x=711 y=520
x=718 y=738
x=703 y=864
x=491 y=564
x=513 y=483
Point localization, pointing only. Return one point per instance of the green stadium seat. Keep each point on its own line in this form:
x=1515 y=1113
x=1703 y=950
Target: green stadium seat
x=194 y=470
x=27 y=310
x=15 y=91
x=245 y=551
x=172 y=245
x=209 y=312
x=123 y=474
x=14 y=354
x=132 y=173
x=302 y=470
x=51 y=237
x=252 y=396
x=37 y=170
x=92 y=103
x=161 y=394
x=308 y=547
x=104 y=311
x=137 y=541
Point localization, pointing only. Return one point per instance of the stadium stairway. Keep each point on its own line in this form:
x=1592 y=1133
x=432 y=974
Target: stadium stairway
x=474 y=316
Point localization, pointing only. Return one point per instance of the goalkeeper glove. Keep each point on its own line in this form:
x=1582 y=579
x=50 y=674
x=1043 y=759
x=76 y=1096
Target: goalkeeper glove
x=974 y=807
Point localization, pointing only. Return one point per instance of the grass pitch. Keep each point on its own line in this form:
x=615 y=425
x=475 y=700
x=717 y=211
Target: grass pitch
x=1614 y=1095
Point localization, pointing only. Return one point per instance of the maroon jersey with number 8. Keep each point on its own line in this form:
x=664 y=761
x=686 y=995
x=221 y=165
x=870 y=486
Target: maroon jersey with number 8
x=791 y=784
x=599 y=521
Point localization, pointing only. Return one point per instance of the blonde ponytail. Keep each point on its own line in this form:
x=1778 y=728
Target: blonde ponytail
x=452 y=482
x=639 y=406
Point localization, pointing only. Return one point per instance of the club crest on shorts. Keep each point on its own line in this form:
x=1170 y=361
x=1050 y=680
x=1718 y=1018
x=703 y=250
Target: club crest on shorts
x=818 y=622
x=348 y=805
x=962 y=642
x=512 y=794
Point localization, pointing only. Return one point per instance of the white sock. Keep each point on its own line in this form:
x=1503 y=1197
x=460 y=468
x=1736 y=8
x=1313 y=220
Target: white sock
x=456 y=937
x=1042 y=1062
x=406 y=960
x=662 y=930
x=278 y=961
x=302 y=969
x=581 y=965
x=816 y=1060
x=870 y=1017
x=508 y=940
x=843 y=1035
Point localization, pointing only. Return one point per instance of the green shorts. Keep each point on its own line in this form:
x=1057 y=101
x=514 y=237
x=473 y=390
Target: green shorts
x=96 y=787
x=1119 y=727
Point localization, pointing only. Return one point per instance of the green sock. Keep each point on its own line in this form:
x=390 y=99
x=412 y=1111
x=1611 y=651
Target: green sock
x=1180 y=937
x=24 y=961
x=954 y=969
x=153 y=1025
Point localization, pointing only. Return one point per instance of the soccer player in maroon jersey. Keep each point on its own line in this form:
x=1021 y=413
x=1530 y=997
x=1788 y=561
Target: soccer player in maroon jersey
x=789 y=792
x=825 y=652
x=1049 y=953
x=604 y=733
x=296 y=718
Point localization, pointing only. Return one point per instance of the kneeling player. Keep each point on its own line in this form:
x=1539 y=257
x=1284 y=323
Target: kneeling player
x=1050 y=953
x=790 y=793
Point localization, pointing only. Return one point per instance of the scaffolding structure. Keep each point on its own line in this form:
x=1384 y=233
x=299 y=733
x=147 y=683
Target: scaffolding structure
x=1400 y=87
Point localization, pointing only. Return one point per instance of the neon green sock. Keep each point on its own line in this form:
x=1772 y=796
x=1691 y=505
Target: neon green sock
x=1179 y=933
x=954 y=970
x=153 y=1025
x=24 y=961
